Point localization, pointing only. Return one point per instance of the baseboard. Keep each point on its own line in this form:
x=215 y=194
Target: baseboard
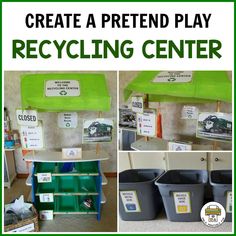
x=111 y=174
x=22 y=176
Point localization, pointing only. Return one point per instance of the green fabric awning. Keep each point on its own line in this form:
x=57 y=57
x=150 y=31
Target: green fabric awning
x=92 y=94
x=205 y=86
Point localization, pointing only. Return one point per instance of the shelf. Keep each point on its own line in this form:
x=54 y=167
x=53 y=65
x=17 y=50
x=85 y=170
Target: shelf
x=104 y=199
x=53 y=156
x=154 y=144
x=104 y=179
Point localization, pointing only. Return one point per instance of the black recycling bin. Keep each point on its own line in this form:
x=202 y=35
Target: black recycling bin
x=139 y=198
x=182 y=192
x=221 y=182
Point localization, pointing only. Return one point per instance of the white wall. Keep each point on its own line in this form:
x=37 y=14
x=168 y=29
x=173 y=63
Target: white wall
x=56 y=138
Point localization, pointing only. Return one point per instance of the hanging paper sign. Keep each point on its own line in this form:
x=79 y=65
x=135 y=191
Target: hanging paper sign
x=32 y=137
x=179 y=146
x=137 y=104
x=229 y=202
x=27 y=117
x=46 y=197
x=67 y=120
x=189 y=113
x=46 y=215
x=215 y=126
x=62 y=88
x=146 y=123
x=44 y=177
x=173 y=77
x=130 y=201
x=182 y=202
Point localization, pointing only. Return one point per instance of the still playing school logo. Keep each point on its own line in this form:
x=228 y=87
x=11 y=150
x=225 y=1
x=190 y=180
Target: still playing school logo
x=213 y=214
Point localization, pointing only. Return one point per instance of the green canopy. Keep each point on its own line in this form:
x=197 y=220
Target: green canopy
x=65 y=92
x=204 y=86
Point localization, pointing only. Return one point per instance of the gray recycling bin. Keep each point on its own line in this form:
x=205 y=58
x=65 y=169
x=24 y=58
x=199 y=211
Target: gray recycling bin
x=182 y=192
x=221 y=182
x=139 y=198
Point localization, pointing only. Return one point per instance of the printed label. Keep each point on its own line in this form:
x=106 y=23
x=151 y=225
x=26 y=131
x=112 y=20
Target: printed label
x=182 y=202
x=229 y=202
x=62 y=88
x=46 y=215
x=46 y=197
x=173 y=77
x=44 y=177
x=27 y=117
x=67 y=120
x=25 y=228
x=146 y=124
x=137 y=104
x=130 y=201
x=189 y=113
x=72 y=153
x=175 y=146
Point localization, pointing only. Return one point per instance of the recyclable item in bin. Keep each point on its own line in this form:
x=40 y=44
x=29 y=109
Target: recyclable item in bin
x=221 y=182
x=139 y=199
x=9 y=144
x=67 y=167
x=182 y=192
x=87 y=203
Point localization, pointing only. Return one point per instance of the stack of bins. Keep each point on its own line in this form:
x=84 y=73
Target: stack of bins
x=182 y=192
x=221 y=182
x=139 y=199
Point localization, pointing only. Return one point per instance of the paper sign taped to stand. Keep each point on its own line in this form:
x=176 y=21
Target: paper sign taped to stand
x=146 y=123
x=67 y=120
x=72 y=153
x=182 y=202
x=46 y=215
x=46 y=197
x=179 y=146
x=32 y=137
x=189 y=113
x=62 y=88
x=130 y=201
x=173 y=77
x=44 y=177
x=229 y=198
x=27 y=117
x=137 y=104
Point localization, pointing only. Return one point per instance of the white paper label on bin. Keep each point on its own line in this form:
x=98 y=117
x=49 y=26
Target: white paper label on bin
x=173 y=77
x=182 y=202
x=130 y=201
x=44 y=177
x=46 y=197
x=229 y=202
x=46 y=215
x=25 y=228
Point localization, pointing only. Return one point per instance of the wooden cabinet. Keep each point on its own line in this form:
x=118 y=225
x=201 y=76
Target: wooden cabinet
x=220 y=160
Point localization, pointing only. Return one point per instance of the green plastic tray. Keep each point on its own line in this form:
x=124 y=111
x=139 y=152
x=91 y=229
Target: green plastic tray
x=45 y=206
x=67 y=184
x=47 y=187
x=87 y=184
x=47 y=167
x=84 y=209
x=66 y=204
x=87 y=167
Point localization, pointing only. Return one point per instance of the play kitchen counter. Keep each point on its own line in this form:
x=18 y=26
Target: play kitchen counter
x=67 y=186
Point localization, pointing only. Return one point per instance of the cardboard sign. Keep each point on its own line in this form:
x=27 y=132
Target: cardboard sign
x=62 y=88
x=214 y=126
x=32 y=137
x=46 y=215
x=27 y=117
x=179 y=146
x=137 y=104
x=46 y=197
x=25 y=228
x=229 y=198
x=67 y=120
x=173 y=77
x=182 y=202
x=130 y=201
x=44 y=177
x=146 y=124
x=72 y=153
x=189 y=113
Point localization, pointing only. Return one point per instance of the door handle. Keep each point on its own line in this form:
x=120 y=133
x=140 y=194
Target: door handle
x=202 y=159
x=217 y=159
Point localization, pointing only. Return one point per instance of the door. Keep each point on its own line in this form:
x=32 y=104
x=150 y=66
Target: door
x=187 y=160
x=220 y=160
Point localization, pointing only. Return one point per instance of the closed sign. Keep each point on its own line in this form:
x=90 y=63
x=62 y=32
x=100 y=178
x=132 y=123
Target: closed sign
x=27 y=117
